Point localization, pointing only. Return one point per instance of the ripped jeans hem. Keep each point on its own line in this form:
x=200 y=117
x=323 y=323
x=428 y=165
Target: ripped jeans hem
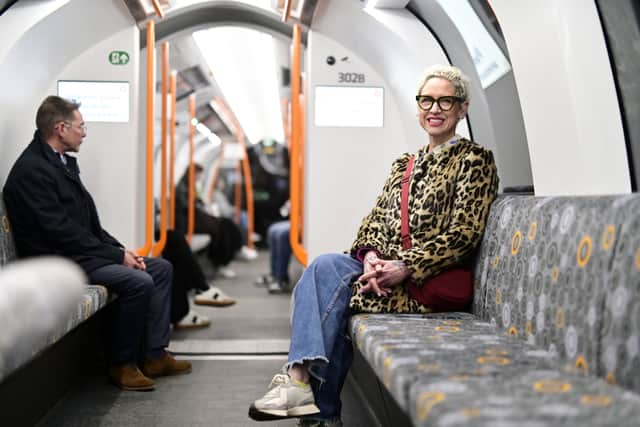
x=313 y=361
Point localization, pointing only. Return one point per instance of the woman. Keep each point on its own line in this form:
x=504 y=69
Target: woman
x=452 y=186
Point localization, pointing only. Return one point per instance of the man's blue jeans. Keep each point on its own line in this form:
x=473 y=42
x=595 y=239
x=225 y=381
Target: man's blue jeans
x=279 y=249
x=319 y=328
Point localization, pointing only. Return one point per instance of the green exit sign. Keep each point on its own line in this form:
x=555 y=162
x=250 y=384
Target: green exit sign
x=118 y=57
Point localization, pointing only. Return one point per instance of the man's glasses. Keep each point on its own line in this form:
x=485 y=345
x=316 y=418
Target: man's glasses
x=445 y=103
x=82 y=126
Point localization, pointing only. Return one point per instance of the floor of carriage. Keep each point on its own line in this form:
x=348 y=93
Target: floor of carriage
x=233 y=362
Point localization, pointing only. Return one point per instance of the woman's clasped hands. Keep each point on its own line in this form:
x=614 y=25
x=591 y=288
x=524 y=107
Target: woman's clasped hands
x=381 y=275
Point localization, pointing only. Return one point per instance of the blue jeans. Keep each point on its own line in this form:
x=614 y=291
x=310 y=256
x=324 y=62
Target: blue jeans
x=319 y=328
x=279 y=249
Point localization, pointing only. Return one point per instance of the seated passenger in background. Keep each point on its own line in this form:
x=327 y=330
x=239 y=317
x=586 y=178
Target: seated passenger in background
x=226 y=238
x=187 y=275
x=277 y=280
x=421 y=228
x=51 y=212
x=221 y=207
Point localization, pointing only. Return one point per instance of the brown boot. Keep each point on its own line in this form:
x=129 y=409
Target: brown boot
x=129 y=377
x=165 y=365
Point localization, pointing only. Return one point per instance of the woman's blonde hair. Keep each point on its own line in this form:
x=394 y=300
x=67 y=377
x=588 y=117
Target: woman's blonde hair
x=453 y=74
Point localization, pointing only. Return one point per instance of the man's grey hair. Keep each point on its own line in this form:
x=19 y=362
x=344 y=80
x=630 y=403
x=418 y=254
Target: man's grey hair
x=53 y=110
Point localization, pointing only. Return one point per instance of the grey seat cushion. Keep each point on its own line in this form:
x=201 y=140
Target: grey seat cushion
x=620 y=355
x=453 y=369
x=7 y=247
x=541 y=273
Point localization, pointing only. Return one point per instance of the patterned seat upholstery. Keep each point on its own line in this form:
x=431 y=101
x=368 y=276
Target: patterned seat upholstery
x=557 y=303
x=620 y=352
x=7 y=247
x=91 y=301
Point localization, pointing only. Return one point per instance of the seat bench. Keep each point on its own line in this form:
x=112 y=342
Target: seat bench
x=552 y=337
x=48 y=357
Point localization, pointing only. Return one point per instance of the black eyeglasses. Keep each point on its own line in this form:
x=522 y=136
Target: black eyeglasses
x=445 y=103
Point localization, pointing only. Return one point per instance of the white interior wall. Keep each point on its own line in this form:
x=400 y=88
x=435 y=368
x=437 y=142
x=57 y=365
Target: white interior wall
x=346 y=167
x=568 y=97
x=52 y=50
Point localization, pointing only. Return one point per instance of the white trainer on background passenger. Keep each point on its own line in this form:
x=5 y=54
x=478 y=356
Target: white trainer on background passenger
x=285 y=399
x=247 y=254
x=226 y=272
x=215 y=297
x=193 y=320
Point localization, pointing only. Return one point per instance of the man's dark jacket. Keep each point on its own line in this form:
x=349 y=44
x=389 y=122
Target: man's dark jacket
x=52 y=213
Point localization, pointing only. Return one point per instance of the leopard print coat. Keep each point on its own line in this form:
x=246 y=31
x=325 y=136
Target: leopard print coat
x=450 y=193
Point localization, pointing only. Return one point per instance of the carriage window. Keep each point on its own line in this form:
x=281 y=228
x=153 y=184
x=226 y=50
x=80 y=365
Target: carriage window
x=487 y=56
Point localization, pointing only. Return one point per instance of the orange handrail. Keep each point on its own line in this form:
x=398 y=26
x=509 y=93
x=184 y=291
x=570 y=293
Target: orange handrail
x=286 y=10
x=248 y=189
x=192 y=177
x=157 y=8
x=248 y=184
x=286 y=121
x=237 y=196
x=216 y=173
x=151 y=41
x=172 y=154
x=301 y=155
x=296 y=169
x=158 y=247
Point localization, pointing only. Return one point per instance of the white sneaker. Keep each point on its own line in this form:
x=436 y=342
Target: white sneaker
x=215 y=297
x=248 y=254
x=193 y=320
x=226 y=272
x=285 y=399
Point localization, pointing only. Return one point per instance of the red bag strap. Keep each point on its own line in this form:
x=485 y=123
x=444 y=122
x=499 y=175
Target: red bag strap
x=405 y=233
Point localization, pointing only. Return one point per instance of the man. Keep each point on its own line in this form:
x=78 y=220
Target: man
x=51 y=212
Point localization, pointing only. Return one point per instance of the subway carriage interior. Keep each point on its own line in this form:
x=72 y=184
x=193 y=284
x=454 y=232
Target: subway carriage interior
x=296 y=109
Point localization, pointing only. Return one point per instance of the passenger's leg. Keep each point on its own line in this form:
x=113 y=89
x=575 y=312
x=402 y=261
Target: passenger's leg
x=282 y=253
x=134 y=289
x=320 y=314
x=272 y=242
x=158 y=362
x=157 y=319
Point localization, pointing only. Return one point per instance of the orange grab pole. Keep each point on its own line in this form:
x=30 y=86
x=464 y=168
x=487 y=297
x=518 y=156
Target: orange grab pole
x=216 y=174
x=296 y=165
x=151 y=41
x=237 y=196
x=172 y=154
x=158 y=247
x=192 y=177
x=301 y=155
x=284 y=104
x=286 y=10
x=248 y=190
x=157 y=8
x=246 y=172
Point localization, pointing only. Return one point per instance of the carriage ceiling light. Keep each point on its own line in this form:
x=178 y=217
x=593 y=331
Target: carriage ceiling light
x=242 y=62
x=208 y=133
